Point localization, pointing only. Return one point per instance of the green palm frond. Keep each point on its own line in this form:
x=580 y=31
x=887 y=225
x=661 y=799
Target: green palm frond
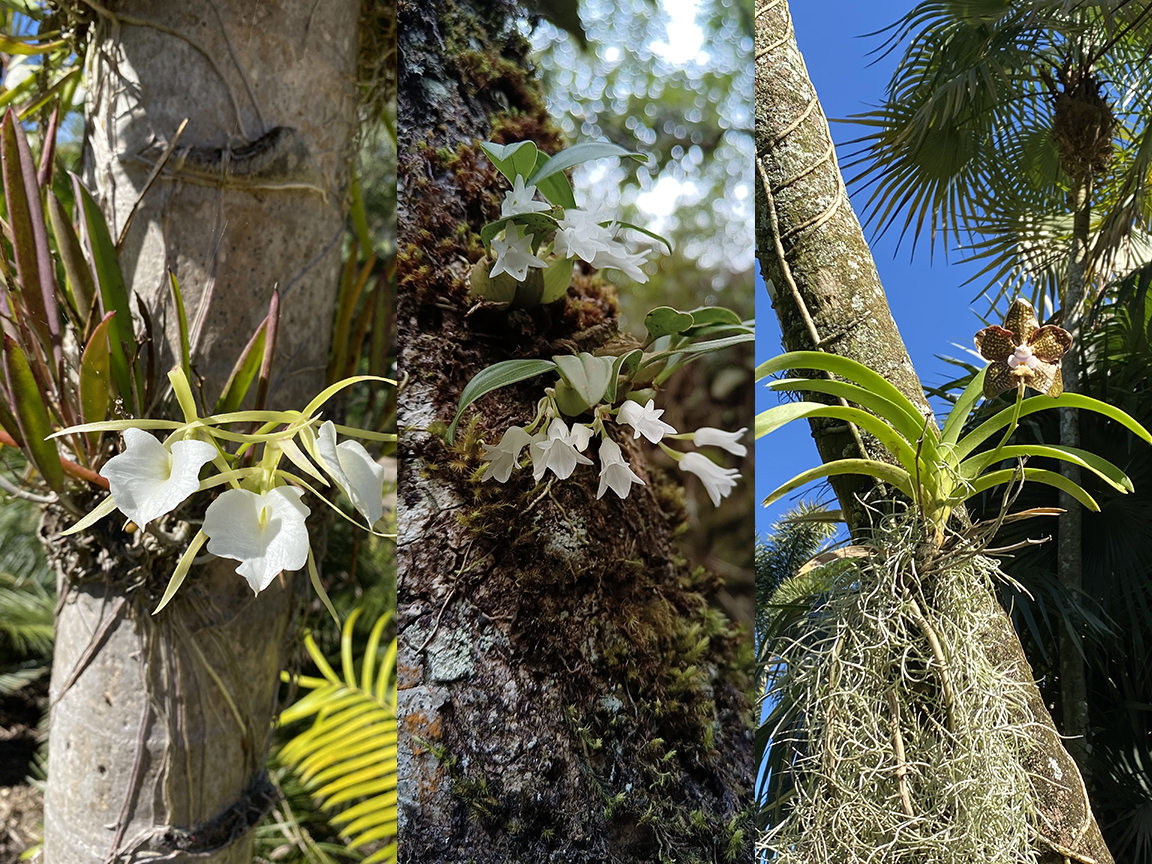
x=962 y=145
x=348 y=756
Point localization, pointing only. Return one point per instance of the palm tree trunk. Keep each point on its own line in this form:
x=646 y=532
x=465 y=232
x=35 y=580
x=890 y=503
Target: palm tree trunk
x=553 y=704
x=820 y=272
x=160 y=725
x=1069 y=562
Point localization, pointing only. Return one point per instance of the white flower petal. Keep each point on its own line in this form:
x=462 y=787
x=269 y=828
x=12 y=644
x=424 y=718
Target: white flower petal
x=645 y=420
x=520 y=200
x=504 y=456
x=147 y=480
x=717 y=481
x=514 y=254
x=555 y=452
x=707 y=436
x=365 y=479
x=615 y=473
x=265 y=533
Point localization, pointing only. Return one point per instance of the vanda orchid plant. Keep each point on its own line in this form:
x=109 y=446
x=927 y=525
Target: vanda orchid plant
x=536 y=244
x=940 y=469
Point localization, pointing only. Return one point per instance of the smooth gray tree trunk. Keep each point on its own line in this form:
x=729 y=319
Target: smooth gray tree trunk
x=814 y=255
x=160 y=725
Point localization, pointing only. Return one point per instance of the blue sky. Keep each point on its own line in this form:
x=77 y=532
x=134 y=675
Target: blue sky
x=932 y=307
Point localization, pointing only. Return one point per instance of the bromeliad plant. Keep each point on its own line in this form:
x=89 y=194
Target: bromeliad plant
x=939 y=469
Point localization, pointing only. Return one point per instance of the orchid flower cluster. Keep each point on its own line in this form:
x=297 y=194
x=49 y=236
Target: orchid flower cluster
x=259 y=520
x=536 y=243
x=615 y=390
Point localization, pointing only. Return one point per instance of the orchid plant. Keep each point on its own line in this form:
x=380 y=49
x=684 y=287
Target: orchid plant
x=535 y=244
x=259 y=521
x=533 y=250
x=940 y=469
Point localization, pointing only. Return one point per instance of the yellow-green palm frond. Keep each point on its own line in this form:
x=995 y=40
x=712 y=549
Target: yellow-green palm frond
x=348 y=756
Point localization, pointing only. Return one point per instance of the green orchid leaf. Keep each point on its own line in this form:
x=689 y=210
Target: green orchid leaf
x=893 y=442
x=555 y=187
x=954 y=424
x=96 y=378
x=243 y=372
x=666 y=321
x=845 y=367
x=28 y=404
x=537 y=224
x=501 y=289
x=513 y=160
x=1031 y=405
x=557 y=278
x=29 y=236
x=713 y=315
x=182 y=324
x=78 y=274
x=494 y=377
x=974 y=466
x=890 y=474
x=626 y=364
x=716 y=344
x=579 y=153
x=882 y=407
x=641 y=229
x=587 y=375
x=113 y=293
x=1036 y=475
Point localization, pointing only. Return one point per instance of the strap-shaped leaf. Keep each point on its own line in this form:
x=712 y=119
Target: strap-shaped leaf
x=1031 y=405
x=182 y=324
x=96 y=378
x=1101 y=467
x=76 y=270
x=512 y=160
x=954 y=424
x=493 y=378
x=641 y=229
x=626 y=364
x=890 y=474
x=879 y=405
x=776 y=417
x=845 y=367
x=243 y=372
x=1037 y=475
x=113 y=293
x=28 y=404
x=555 y=187
x=579 y=153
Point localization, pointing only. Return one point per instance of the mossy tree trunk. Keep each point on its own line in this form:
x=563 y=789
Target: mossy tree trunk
x=160 y=725
x=827 y=294
x=566 y=693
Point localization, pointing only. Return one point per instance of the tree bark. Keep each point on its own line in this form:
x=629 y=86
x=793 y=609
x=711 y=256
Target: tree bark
x=160 y=724
x=565 y=691
x=1069 y=550
x=817 y=262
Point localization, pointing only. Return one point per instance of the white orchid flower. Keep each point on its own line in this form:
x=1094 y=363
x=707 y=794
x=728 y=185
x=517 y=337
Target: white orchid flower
x=617 y=257
x=557 y=451
x=707 y=436
x=504 y=456
x=356 y=472
x=615 y=472
x=521 y=200
x=581 y=236
x=148 y=479
x=718 y=481
x=645 y=420
x=264 y=532
x=580 y=436
x=514 y=254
